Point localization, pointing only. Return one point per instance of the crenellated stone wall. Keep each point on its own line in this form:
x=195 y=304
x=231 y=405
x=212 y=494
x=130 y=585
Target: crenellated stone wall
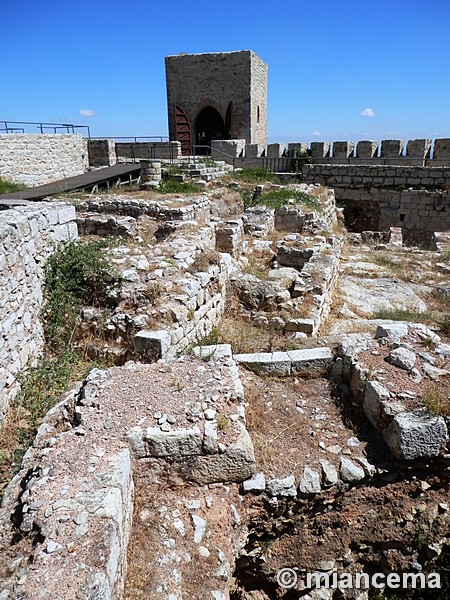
x=35 y=159
x=28 y=235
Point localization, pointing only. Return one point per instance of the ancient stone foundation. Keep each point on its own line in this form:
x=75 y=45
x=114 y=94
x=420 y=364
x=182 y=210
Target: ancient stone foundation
x=28 y=235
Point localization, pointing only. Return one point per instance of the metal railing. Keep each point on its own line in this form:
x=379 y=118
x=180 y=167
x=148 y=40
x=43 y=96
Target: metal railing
x=10 y=127
x=134 y=138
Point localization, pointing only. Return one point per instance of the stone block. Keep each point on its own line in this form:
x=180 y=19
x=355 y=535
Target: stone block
x=343 y=149
x=255 y=150
x=290 y=255
x=320 y=149
x=311 y=361
x=213 y=352
x=152 y=344
x=256 y=484
x=269 y=363
x=177 y=443
x=376 y=398
x=349 y=472
x=367 y=149
x=276 y=150
x=230 y=237
x=391 y=148
x=227 y=149
x=237 y=463
x=258 y=220
x=289 y=218
x=310 y=482
x=297 y=149
x=396 y=329
x=442 y=149
x=413 y=435
x=419 y=148
x=282 y=487
x=303 y=325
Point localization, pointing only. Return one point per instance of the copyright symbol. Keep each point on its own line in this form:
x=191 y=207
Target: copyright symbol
x=286 y=578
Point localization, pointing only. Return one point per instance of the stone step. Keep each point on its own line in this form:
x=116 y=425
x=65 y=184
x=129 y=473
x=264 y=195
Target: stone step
x=308 y=361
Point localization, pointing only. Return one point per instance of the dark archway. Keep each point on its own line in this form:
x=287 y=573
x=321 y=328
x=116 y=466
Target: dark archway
x=209 y=125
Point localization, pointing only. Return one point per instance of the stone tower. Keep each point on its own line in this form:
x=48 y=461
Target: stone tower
x=219 y=95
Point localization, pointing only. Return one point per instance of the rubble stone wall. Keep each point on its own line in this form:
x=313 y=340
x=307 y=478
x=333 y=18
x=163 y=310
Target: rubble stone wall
x=28 y=235
x=35 y=159
x=378 y=197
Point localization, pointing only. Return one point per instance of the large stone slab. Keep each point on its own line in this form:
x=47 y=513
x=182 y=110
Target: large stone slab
x=180 y=442
x=268 y=363
x=366 y=296
x=413 y=435
x=237 y=463
x=311 y=361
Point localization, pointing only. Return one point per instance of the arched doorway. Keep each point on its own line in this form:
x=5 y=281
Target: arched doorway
x=209 y=125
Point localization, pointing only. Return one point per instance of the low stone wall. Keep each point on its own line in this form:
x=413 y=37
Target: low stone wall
x=378 y=197
x=28 y=235
x=204 y=303
x=71 y=504
x=42 y=158
x=180 y=209
x=410 y=434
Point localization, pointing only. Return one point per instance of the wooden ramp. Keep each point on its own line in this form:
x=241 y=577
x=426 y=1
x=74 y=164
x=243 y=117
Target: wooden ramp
x=106 y=176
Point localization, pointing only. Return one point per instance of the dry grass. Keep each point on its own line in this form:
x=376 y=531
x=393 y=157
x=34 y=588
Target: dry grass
x=203 y=260
x=243 y=337
x=436 y=398
x=278 y=430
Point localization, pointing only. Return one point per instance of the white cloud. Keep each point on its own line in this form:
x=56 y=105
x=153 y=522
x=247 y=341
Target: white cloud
x=368 y=112
x=316 y=133
x=87 y=112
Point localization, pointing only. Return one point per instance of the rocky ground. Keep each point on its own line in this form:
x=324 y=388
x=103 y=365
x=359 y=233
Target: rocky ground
x=238 y=474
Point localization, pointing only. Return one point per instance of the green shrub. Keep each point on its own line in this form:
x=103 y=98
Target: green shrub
x=75 y=276
x=9 y=186
x=254 y=175
x=169 y=186
x=278 y=198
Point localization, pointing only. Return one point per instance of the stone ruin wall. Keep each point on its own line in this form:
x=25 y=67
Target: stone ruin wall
x=378 y=197
x=28 y=235
x=35 y=159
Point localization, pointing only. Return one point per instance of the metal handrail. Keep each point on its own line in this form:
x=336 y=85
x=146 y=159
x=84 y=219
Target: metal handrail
x=42 y=126
x=135 y=138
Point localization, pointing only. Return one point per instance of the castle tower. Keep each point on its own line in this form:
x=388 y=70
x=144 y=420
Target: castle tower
x=219 y=95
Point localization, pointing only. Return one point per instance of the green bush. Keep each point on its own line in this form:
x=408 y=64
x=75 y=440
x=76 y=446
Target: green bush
x=254 y=175
x=169 y=186
x=9 y=186
x=278 y=198
x=75 y=276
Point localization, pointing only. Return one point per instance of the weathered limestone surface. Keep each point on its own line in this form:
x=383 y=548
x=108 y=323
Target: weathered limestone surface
x=229 y=237
x=75 y=489
x=28 y=235
x=408 y=434
x=301 y=362
x=41 y=158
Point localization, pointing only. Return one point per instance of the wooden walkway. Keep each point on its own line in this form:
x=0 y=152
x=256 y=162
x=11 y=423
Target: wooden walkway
x=106 y=176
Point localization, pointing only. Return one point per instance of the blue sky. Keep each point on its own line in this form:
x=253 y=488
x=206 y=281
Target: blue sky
x=338 y=69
